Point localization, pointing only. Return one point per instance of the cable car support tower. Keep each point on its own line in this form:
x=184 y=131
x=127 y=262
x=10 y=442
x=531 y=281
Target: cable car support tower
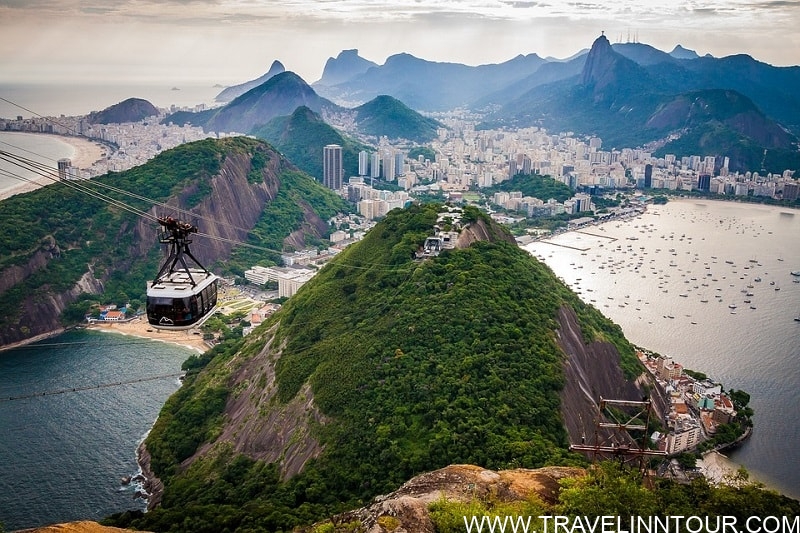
x=176 y=236
x=612 y=439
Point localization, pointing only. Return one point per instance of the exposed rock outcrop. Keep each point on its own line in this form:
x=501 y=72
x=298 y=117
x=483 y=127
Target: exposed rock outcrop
x=481 y=231
x=408 y=505
x=76 y=527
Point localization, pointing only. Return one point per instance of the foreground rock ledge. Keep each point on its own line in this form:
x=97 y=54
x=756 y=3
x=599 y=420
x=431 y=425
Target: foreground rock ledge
x=409 y=503
x=76 y=527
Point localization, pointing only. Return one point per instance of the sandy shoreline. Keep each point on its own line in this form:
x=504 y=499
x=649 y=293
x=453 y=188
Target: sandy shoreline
x=84 y=154
x=716 y=467
x=139 y=327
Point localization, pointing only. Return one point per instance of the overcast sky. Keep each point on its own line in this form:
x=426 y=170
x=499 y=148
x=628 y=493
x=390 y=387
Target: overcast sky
x=231 y=41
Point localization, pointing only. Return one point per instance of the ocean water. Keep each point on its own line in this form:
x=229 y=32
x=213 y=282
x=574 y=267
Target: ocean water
x=708 y=283
x=62 y=456
x=44 y=149
x=30 y=100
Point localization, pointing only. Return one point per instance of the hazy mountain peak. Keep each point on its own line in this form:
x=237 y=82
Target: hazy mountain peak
x=599 y=61
x=229 y=93
x=275 y=68
x=344 y=67
x=679 y=52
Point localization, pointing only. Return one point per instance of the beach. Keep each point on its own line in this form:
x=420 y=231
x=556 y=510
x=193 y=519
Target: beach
x=84 y=154
x=139 y=327
x=717 y=468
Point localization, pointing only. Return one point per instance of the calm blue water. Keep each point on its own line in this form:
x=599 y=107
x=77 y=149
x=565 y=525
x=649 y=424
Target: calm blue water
x=665 y=264
x=44 y=149
x=62 y=457
x=78 y=100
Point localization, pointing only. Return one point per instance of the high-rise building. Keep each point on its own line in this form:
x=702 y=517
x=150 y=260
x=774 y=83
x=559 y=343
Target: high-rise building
x=363 y=163
x=704 y=182
x=332 y=168
x=791 y=191
x=388 y=167
x=375 y=165
x=64 y=166
x=399 y=160
x=526 y=165
x=648 y=176
x=512 y=168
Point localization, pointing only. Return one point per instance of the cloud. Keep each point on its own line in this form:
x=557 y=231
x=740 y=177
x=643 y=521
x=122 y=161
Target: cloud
x=230 y=41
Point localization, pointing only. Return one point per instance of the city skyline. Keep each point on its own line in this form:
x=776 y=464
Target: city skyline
x=231 y=41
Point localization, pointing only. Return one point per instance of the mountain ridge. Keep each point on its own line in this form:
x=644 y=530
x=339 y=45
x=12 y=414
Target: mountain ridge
x=376 y=367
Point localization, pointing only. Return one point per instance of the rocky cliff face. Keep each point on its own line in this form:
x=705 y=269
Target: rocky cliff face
x=257 y=425
x=480 y=230
x=232 y=208
x=592 y=372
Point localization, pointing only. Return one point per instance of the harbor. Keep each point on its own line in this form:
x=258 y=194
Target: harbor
x=710 y=284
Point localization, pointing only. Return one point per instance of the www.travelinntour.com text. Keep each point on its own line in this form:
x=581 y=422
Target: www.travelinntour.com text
x=631 y=524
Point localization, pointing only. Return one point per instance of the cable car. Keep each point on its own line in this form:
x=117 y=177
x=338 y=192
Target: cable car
x=180 y=297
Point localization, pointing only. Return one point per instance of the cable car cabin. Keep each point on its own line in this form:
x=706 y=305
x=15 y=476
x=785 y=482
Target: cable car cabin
x=175 y=303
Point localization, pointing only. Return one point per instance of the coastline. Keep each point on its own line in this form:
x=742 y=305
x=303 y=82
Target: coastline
x=31 y=340
x=718 y=468
x=152 y=485
x=84 y=154
x=138 y=327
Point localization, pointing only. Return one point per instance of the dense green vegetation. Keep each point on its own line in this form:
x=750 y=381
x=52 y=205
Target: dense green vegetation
x=416 y=365
x=536 y=185
x=78 y=229
x=388 y=116
x=281 y=216
x=425 y=151
x=609 y=489
x=302 y=136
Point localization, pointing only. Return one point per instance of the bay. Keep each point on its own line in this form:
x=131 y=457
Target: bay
x=63 y=456
x=43 y=149
x=671 y=278
x=30 y=100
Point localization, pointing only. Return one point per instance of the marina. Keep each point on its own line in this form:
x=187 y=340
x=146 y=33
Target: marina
x=698 y=282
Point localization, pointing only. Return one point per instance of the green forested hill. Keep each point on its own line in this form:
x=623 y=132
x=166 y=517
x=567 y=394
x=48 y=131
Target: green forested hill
x=413 y=366
x=401 y=367
x=302 y=136
x=541 y=187
x=388 y=116
x=60 y=246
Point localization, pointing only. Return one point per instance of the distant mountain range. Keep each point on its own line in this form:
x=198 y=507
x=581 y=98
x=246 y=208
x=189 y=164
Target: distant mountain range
x=254 y=111
x=673 y=105
x=629 y=94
